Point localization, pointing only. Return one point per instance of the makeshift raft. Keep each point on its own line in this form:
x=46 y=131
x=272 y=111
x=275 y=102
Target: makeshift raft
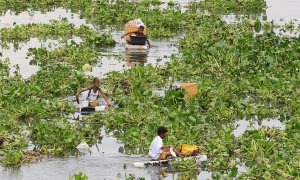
x=136 y=47
x=86 y=108
x=137 y=42
x=198 y=158
x=92 y=109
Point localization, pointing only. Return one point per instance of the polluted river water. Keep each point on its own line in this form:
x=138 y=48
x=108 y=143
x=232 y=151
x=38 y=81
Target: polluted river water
x=106 y=159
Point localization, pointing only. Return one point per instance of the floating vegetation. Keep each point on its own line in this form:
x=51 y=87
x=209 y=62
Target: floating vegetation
x=79 y=176
x=228 y=6
x=243 y=70
x=161 y=22
x=56 y=30
x=38 y=108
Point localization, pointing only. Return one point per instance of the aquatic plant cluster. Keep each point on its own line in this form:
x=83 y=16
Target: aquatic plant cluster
x=243 y=70
x=34 y=111
x=162 y=22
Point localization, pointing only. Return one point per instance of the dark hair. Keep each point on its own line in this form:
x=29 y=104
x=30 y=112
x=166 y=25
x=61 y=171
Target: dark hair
x=95 y=79
x=161 y=130
x=142 y=27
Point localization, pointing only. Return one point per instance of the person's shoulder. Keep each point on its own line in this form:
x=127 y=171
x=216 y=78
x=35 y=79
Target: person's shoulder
x=158 y=138
x=87 y=88
x=155 y=138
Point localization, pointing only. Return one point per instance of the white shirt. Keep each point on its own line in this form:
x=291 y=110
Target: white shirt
x=155 y=148
x=93 y=96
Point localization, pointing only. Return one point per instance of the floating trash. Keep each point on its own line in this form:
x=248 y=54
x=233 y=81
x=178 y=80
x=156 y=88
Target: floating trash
x=87 y=68
x=83 y=146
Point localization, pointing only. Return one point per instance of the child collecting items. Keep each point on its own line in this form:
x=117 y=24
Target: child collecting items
x=94 y=92
x=158 y=151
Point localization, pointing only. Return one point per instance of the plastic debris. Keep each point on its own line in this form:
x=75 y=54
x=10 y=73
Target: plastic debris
x=87 y=68
x=172 y=152
x=83 y=146
x=25 y=132
x=100 y=108
x=202 y=157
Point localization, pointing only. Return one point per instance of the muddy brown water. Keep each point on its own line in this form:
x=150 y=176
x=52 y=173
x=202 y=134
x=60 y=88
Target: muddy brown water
x=106 y=159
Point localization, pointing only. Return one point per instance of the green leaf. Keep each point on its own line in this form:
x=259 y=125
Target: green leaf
x=267 y=175
x=234 y=172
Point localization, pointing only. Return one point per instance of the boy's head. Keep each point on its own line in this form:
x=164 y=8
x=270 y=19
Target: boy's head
x=141 y=29
x=96 y=81
x=162 y=131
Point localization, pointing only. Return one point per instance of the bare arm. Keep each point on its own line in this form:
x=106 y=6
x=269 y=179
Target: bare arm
x=149 y=43
x=105 y=98
x=164 y=147
x=125 y=34
x=128 y=33
x=82 y=90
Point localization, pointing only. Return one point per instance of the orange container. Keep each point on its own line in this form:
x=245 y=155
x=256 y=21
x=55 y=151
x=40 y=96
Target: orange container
x=191 y=88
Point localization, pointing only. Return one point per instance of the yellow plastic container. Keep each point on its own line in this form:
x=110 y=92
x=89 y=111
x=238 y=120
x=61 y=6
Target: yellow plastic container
x=191 y=88
x=129 y=29
x=188 y=148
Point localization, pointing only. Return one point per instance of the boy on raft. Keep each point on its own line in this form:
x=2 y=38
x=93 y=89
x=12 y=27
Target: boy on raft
x=94 y=92
x=158 y=151
x=139 y=32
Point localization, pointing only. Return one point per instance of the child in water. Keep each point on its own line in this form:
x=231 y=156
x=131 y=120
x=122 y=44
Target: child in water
x=94 y=92
x=158 y=151
x=139 y=32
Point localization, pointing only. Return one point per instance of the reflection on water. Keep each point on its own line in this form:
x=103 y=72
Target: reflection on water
x=283 y=10
x=119 y=59
x=278 y=11
x=126 y=149
x=135 y=57
x=17 y=53
x=9 y=19
x=243 y=125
